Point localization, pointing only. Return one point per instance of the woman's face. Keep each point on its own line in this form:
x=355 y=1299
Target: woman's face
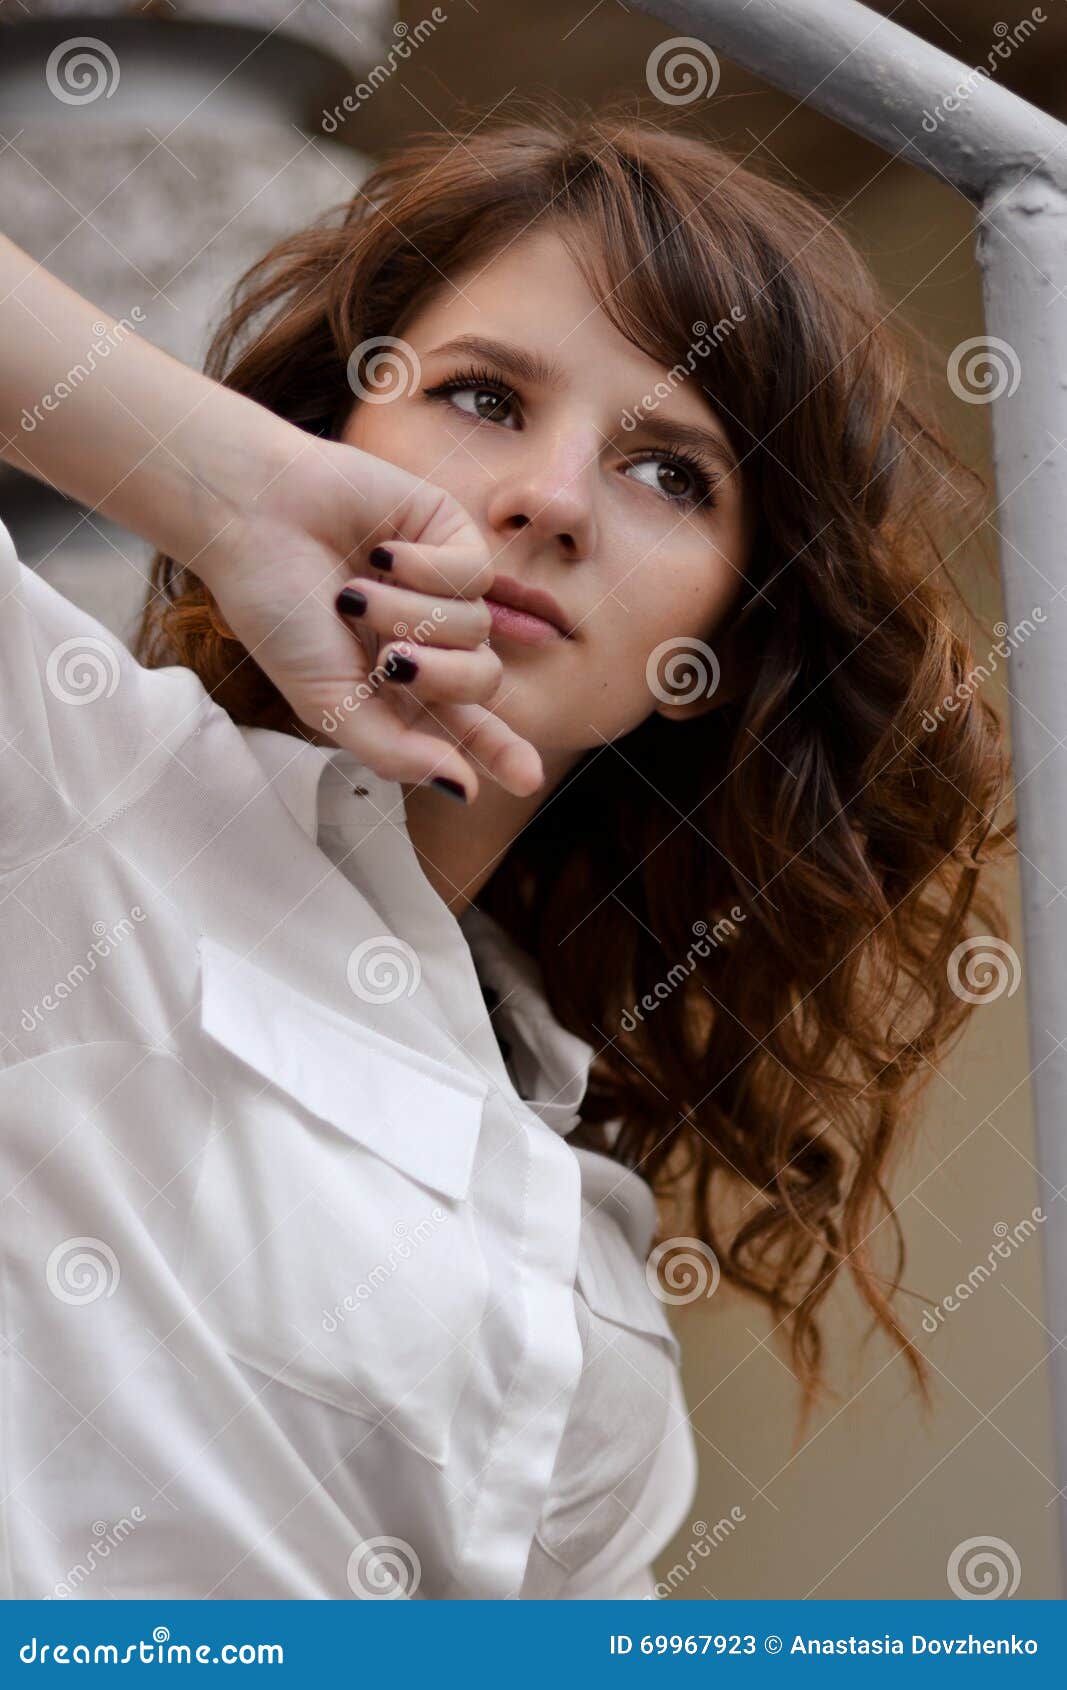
x=640 y=540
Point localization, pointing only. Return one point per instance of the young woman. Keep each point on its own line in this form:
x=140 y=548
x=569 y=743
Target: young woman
x=568 y=473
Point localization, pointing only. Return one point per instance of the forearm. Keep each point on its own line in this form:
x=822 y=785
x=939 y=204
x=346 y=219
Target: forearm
x=89 y=406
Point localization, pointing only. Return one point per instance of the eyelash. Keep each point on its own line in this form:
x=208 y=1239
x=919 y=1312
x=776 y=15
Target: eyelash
x=703 y=498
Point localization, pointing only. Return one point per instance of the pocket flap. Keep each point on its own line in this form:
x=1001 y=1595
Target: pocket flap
x=611 y=1278
x=403 y=1105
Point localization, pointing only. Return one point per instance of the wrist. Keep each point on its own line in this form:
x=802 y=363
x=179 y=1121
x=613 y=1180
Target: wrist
x=233 y=461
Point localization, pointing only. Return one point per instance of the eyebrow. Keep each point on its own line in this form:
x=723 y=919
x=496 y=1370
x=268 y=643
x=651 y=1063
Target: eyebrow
x=515 y=361
x=518 y=363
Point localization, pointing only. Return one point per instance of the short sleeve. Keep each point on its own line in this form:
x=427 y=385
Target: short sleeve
x=84 y=727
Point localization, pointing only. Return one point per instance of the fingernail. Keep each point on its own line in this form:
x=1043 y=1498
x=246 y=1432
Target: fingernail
x=381 y=557
x=351 y=602
x=452 y=787
x=399 y=668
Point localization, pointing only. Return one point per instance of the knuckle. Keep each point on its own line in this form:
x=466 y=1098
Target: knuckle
x=479 y=582
x=488 y=677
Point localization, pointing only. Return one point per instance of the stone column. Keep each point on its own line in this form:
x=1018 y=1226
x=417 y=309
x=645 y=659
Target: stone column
x=147 y=159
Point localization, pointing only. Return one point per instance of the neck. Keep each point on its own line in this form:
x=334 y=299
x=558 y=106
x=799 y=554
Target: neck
x=459 y=847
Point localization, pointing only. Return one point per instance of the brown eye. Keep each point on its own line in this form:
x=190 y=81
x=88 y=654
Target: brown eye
x=486 y=404
x=672 y=477
x=491 y=407
x=674 y=480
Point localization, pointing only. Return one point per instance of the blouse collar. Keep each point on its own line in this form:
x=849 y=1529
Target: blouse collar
x=550 y=1065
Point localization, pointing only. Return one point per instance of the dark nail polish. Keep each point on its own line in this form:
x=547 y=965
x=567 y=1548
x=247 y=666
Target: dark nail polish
x=399 y=668
x=381 y=557
x=452 y=787
x=351 y=602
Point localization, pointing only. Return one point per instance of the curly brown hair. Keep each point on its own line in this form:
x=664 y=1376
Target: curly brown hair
x=829 y=843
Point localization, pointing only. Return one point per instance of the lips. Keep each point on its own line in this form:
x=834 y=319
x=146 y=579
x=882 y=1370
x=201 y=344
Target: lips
x=530 y=602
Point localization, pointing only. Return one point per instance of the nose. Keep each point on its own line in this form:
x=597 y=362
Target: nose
x=549 y=487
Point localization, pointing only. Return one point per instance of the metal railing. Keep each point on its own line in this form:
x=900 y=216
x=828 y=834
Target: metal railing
x=1010 y=159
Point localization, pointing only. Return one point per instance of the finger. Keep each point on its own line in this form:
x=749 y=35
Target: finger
x=430 y=673
x=392 y=747
x=494 y=748
x=396 y=613
x=456 y=570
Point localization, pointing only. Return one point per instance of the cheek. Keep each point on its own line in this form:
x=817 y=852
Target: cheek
x=666 y=596
x=410 y=436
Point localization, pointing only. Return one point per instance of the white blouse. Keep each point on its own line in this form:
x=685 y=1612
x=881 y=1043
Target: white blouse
x=305 y=1292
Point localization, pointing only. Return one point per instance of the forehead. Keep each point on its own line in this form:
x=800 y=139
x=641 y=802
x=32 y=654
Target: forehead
x=532 y=295
x=531 y=282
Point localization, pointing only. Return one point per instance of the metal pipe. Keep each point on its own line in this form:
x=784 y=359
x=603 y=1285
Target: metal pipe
x=1022 y=250
x=841 y=58
x=867 y=72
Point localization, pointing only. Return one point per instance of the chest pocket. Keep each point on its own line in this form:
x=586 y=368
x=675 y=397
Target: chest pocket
x=619 y=1415
x=331 y=1245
